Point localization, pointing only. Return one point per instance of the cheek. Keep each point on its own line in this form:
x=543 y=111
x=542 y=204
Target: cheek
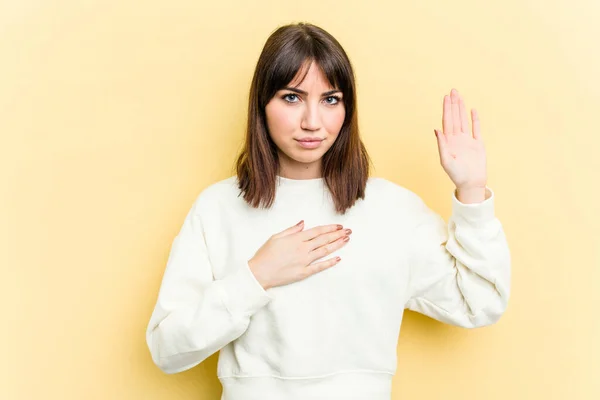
x=279 y=120
x=335 y=120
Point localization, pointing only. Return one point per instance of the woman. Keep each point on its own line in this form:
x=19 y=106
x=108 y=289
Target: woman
x=298 y=310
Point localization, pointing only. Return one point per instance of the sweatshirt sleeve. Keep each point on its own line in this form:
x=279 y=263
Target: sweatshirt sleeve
x=196 y=315
x=460 y=271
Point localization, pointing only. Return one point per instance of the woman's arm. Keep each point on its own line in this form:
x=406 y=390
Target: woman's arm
x=460 y=271
x=195 y=315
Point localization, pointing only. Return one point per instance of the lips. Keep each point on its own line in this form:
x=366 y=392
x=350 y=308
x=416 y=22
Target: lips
x=309 y=143
x=309 y=140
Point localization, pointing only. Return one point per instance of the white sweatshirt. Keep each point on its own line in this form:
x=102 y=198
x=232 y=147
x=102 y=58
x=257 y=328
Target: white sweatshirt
x=333 y=335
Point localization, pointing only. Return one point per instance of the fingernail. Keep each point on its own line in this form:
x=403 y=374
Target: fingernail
x=346 y=238
x=348 y=231
x=435 y=133
x=300 y=223
x=339 y=227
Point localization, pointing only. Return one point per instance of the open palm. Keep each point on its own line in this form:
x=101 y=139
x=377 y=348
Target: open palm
x=462 y=153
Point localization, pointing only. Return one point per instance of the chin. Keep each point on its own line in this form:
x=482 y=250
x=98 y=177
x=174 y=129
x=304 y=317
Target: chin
x=306 y=157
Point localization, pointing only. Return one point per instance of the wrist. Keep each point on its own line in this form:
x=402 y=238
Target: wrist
x=469 y=195
x=257 y=275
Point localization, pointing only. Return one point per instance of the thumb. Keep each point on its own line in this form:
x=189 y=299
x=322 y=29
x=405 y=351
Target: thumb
x=441 y=142
x=293 y=229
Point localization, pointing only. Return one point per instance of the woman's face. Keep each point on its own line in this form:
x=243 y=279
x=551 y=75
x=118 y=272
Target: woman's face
x=304 y=121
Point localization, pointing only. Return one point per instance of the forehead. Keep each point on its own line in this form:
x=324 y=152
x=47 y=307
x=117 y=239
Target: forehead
x=310 y=74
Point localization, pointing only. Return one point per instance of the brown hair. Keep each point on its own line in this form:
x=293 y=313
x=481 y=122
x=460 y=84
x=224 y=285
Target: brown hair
x=345 y=166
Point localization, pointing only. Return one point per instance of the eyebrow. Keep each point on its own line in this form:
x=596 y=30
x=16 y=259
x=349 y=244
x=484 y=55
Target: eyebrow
x=305 y=93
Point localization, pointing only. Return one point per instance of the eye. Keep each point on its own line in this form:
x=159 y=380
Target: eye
x=287 y=97
x=336 y=99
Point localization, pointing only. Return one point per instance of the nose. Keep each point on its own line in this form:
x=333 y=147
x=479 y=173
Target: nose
x=311 y=120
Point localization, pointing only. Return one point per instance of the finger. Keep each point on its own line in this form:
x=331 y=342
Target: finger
x=441 y=142
x=455 y=111
x=464 y=119
x=322 y=240
x=447 y=125
x=476 y=125
x=293 y=229
x=312 y=269
x=319 y=230
x=328 y=248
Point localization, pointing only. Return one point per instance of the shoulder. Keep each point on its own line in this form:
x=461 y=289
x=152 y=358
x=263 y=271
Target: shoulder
x=216 y=195
x=220 y=188
x=381 y=188
x=395 y=200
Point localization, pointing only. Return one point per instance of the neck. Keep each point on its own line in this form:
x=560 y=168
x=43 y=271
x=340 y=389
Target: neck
x=292 y=169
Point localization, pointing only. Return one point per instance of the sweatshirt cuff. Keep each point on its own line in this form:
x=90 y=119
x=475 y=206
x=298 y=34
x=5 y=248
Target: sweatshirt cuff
x=475 y=213
x=243 y=294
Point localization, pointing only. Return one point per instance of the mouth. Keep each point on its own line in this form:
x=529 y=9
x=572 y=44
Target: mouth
x=311 y=143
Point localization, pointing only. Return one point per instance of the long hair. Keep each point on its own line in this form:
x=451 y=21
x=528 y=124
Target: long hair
x=345 y=166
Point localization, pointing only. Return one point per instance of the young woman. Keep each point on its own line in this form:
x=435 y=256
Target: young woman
x=297 y=309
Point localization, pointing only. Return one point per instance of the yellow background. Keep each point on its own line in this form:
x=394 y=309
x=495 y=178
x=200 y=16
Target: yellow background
x=115 y=114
